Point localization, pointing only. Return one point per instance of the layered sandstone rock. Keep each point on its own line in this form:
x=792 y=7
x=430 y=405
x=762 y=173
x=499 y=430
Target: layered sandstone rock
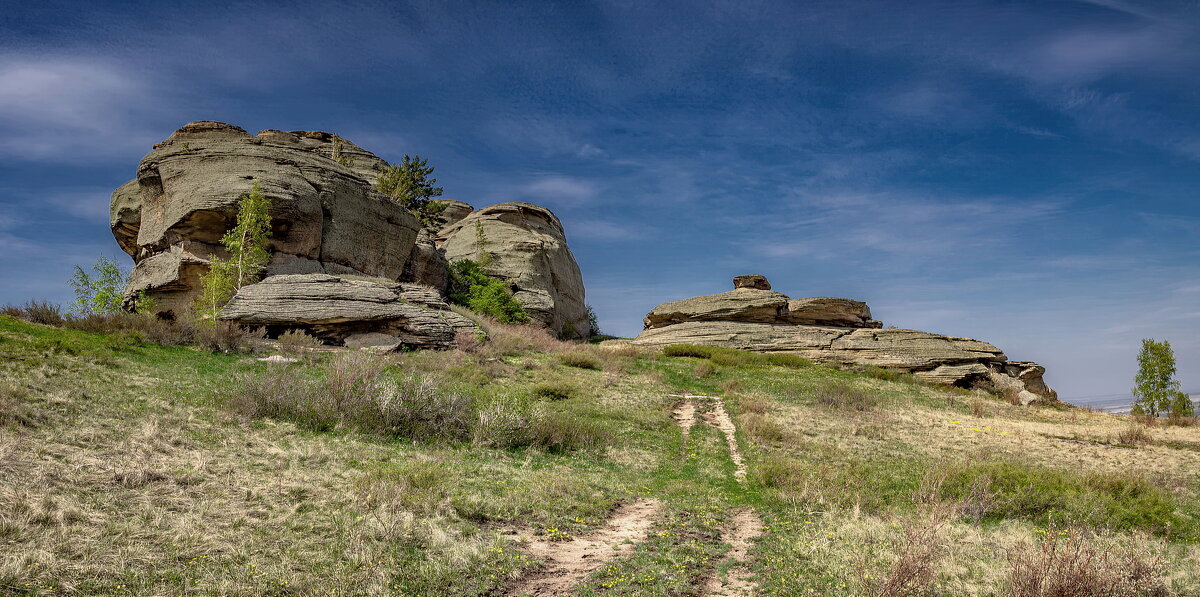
x=355 y=312
x=326 y=218
x=839 y=331
x=524 y=245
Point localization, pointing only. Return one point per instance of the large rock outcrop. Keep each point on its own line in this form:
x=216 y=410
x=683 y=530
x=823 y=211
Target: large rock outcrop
x=326 y=218
x=840 y=331
x=524 y=245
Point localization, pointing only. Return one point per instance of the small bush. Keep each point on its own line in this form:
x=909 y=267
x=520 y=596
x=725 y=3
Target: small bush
x=783 y=359
x=553 y=391
x=688 y=350
x=763 y=428
x=506 y=339
x=42 y=312
x=469 y=341
x=223 y=336
x=1072 y=563
x=703 y=369
x=753 y=404
x=581 y=360
x=920 y=548
x=473 y=288
x=297 y=341
x=1134 y=435
x=842 y=396
x=979 y=408
x=1057 y=497
x=562 y=432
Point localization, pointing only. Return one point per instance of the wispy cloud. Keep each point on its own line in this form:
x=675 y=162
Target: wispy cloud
x=66 y=108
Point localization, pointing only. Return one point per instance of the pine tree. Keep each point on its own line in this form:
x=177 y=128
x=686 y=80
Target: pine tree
x=246 y=244
x=1155 y=384
x=408 y=183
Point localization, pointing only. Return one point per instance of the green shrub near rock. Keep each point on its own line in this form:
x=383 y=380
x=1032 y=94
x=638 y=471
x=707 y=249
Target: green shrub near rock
x=474 y=289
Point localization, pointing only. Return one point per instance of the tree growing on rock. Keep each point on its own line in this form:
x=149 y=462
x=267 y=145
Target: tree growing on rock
x=409 y=184
x=1155 y=386
x=246 y=244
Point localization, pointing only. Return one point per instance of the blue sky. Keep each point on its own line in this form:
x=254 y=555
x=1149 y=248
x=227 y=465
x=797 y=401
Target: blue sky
x=1021 y=172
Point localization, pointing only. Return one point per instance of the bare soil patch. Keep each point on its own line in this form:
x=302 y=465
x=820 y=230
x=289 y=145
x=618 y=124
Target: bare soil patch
x=569 y=562
x=745 y=527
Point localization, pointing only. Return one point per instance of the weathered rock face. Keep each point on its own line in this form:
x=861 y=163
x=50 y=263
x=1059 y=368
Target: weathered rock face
x=754 y=281
x=527 y=248
x=837 y=331
x=355 y=312
x=326 y=218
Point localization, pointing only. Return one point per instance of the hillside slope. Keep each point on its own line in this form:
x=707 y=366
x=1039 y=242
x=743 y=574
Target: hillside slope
x=527 y=465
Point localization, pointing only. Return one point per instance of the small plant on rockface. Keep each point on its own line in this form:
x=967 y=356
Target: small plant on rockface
x=98 y=292
x=409 y=184
x=1155 y=384
x=247 y=247
x=479 y=292
x=482 y=256
x=593 y=322
x=338 y=145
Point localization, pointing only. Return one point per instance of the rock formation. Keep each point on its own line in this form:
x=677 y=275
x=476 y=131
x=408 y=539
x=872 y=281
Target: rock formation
x=835 y=330
x=357 y=312
x=524 y=245
x=326 y=218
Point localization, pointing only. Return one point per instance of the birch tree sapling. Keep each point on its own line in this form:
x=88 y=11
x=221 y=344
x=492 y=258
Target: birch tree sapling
x=246 y=244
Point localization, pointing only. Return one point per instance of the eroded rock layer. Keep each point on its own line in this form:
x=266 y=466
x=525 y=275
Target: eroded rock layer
x=836 y=330
x=355 y=312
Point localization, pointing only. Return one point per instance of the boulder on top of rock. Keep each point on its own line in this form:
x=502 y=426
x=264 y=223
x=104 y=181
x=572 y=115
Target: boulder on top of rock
x=754 y=281
x=824 y=310
x=741 y=304
x=350 y=311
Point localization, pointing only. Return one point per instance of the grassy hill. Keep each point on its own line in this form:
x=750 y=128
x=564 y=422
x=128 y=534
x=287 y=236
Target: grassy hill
x=133 y=468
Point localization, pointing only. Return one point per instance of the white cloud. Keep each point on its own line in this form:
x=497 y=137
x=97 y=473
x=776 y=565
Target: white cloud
x=70 y=107
x=560 y=189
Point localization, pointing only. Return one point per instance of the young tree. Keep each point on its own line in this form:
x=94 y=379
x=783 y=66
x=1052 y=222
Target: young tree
x=246 y=243
x=409 y=184
x=1182 y=406
x=1155 y=384
x=100 y=291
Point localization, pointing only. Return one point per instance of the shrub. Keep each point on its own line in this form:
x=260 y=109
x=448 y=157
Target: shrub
x=763 y=428
x=506 y=339
x=469 y=341
x=223 y=336
x=842 y=396
x=553 y=391
x=1055 y=497
x=1072 y=563
x=1134 y=435
x=688 y=350
x=581 y=360
x=473 y=288
x=37 y=312
x=246 y=244
x=783 y=359
x=920 y=548
x=297 y=341
x=561 y=432
x=703 y=369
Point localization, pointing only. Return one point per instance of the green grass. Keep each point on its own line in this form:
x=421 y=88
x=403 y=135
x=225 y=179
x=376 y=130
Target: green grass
x=129 y=468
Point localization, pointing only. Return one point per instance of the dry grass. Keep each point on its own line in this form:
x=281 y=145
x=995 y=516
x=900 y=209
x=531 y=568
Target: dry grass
x=762 y=428
x=297 y=341
x=843 y=396
x=752 y=404
x=919 y=546
x=703 y=369
x=581 y=359
x=1073 y=563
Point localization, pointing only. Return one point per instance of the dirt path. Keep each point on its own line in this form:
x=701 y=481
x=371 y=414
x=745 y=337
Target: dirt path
x=718 y=417
x=569 y=562
x=736 y=581
x=685 y=416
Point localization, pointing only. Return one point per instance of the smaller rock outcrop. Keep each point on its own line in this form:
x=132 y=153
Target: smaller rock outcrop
x=356 y=312
x=525 y=246
x=837 y=330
